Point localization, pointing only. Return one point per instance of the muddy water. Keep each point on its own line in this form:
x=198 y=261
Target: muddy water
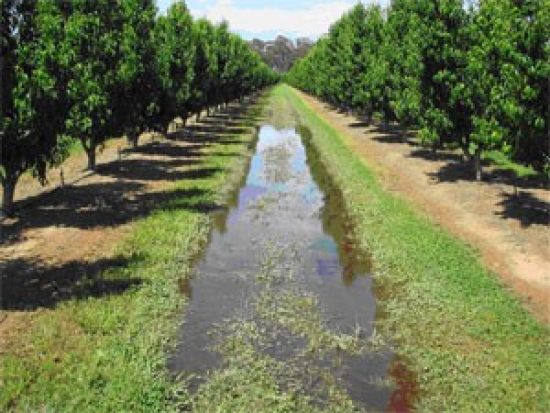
x=287 y=218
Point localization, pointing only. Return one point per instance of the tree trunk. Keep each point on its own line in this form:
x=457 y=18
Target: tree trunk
x=133 y=137
x=465 y=151
x=198 y=116
x=9 y=190
x=477 y=161
x=208 y=112
x=91 y=158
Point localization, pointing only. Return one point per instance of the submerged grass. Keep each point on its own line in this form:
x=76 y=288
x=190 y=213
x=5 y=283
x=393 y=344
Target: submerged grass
x=279 y=354
x=277 y=351
x=470 y=342
x=108 y=353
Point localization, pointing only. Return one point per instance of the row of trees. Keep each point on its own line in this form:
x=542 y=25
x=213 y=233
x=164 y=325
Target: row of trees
x=473 y=75
x=95 y=69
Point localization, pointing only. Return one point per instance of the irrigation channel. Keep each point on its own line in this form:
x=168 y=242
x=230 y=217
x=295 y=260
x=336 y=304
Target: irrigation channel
x=282 y=298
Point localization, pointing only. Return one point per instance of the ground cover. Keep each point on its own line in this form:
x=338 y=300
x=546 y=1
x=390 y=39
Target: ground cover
x=471 y=343
x=94 y=334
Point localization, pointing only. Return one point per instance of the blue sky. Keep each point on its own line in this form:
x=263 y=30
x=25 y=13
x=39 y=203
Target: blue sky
x=266 y=19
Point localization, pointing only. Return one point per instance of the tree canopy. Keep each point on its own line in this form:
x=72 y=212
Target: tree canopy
x=32 y=108
x=470 y=74
x=91 y=70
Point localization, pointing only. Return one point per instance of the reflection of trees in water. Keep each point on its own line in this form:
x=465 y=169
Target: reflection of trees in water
x=336 y=221
x=277 y=163
x=219 y=218
x=263 y=203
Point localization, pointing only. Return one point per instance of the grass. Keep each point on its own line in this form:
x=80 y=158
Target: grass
x=108 y=354
x=470 y=342
x=503 y=162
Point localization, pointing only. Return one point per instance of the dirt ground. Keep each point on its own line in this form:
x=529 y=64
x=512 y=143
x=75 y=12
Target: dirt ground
x=507 y=223
x=63 y=235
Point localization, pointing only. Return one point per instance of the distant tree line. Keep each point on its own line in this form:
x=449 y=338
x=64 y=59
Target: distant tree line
x=474 y=75
x=281 y=53
x=90 y=70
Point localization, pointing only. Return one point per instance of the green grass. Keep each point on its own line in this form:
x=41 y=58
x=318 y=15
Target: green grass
x=470 y=342
x=75 y=148
x=108 y=354
x=501 y=161
x=472 y=345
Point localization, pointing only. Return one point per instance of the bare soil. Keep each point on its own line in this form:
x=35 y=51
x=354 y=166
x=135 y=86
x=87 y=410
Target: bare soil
x=63 y=235
x=505 y=218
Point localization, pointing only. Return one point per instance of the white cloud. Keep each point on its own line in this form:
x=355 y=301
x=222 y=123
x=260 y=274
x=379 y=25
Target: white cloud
x=312 y=21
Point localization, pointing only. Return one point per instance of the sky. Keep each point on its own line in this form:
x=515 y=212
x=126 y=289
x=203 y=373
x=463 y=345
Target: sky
x=266 y=19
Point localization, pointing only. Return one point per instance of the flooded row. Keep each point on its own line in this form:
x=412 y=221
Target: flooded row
x=282 y=288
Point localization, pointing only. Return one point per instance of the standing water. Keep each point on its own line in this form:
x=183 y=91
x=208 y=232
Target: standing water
x=282 y=290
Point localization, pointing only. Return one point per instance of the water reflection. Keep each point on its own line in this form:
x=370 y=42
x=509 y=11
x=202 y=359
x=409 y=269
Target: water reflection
x=287 y=200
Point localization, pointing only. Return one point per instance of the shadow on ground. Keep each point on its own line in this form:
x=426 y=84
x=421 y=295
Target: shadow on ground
x=524 y=207
x=101 y=204
x=455 y=169
x=27 y=285
x=153 y=170
x=191 y=151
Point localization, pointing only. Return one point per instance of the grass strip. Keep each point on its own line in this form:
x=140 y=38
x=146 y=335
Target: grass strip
x=107 y=352
x=501 y=161
x=470 y=342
